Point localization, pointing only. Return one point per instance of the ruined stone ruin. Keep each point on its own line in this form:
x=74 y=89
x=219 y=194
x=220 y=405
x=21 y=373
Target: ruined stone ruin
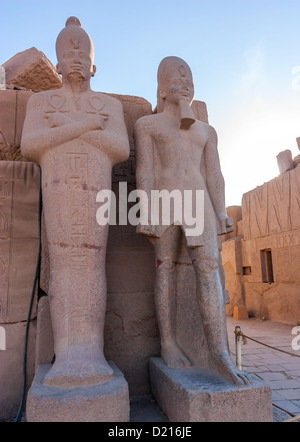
x=117 y=310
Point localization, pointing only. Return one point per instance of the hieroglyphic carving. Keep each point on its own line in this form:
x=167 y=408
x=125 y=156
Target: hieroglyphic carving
x=295 y=198
x=77 y=170
x=4 y=226
x=5 y=196
x=3 y=269
x=278 y=209
x=255 y=214
x=273 y=207
x=287 y=240
x=5 y=189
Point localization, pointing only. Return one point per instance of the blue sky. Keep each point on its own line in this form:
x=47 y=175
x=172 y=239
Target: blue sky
x=241 y=53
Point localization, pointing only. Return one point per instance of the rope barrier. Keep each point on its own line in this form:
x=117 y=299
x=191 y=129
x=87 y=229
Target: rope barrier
x=239 y=334
x=244 y=337
x=294 y=419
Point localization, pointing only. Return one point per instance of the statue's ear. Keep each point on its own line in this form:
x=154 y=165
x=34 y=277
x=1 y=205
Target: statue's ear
x=58 y=68
x=94 y=69
x=162 y=93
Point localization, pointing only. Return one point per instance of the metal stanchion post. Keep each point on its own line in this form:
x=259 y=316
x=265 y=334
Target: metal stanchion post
x=238 y=347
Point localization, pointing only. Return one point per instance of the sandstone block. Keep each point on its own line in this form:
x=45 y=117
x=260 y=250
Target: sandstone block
x=132 y=337
x=194 y=395
x=285 y=161
x=108 y=402
x=240 y=313
x=32 y=70
x=2 y=79
x=44 y=334
x=11 y=367
x=200 y=111
x=12 y=114
x=19 y=197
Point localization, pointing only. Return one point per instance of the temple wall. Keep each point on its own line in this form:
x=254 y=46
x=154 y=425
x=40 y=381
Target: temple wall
x=262 y=263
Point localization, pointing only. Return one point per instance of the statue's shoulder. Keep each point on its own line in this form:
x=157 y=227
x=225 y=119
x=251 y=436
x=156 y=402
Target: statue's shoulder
x=206 y=128
x=109 y=100
x=148 y=122
x=36 y=100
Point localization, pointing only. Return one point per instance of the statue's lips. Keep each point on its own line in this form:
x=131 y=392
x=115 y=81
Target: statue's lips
x=76 y=67
x=185 y=94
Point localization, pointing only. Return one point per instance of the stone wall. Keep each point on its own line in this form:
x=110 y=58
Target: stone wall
x=262 y=264
x=19 y=192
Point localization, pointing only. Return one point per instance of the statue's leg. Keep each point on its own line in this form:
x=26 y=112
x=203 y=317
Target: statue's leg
x=78 y=294
x=211 y=304
x=166 y=251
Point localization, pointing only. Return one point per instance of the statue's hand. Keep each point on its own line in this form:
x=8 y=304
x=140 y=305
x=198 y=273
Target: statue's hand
x=95 y=122
x=226 y=224
x=58 y=119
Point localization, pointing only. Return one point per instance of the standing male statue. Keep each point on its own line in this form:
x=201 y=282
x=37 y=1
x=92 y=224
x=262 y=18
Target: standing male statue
x=77 y=136
x=176 y=152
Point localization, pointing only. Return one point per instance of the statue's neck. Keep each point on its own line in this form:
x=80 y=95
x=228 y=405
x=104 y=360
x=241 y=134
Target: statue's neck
x=76 y=85
x=172 y=109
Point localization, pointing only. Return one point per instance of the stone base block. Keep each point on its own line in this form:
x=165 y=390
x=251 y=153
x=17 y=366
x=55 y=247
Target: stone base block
x=240 y=313
x=107 y=402
x=195 y=395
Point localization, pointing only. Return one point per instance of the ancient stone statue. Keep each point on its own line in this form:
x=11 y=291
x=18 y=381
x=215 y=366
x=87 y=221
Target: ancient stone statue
x=77 y=136
x=176 y=152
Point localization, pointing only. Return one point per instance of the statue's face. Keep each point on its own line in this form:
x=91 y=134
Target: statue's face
x=177 y=84
x=76 y=62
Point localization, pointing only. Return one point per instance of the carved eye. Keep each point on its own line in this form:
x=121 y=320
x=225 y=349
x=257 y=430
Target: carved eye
x=68 y=54
x=85 y=56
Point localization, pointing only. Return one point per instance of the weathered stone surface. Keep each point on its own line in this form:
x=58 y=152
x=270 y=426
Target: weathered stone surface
x=107 y=402
x=19 y=195
x=44 y=352
x=132 y=336
x=12 y=115
x=11 y=367
x=271 y=222
x=272 y=208
x=2 y=79
x=235 y=213
x=285 y=161
x=195 y=395
x=32 y=70
x=133 y=108
x=200 y=111
x=240 y=313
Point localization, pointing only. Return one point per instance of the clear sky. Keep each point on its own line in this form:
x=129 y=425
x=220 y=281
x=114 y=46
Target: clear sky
x=242 y=54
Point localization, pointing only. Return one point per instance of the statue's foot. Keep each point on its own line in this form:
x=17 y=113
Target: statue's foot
x=79 y=372
x=229 y=371
x=173 y=356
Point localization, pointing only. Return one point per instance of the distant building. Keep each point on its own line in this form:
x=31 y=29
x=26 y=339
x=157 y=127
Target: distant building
x=261 y=257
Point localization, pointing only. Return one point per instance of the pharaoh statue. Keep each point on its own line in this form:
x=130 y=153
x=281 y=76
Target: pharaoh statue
x=175 y=152
x=76 y=135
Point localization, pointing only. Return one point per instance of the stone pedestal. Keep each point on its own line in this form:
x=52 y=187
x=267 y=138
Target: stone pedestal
x=195 y=395
x=108 y=402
